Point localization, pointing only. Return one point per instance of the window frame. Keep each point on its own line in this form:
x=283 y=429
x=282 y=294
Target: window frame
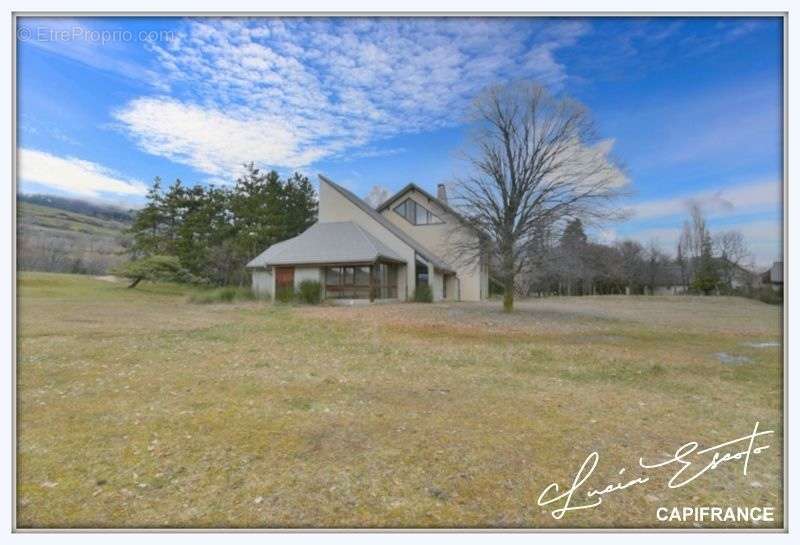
x=411 y=212
x=381 y=277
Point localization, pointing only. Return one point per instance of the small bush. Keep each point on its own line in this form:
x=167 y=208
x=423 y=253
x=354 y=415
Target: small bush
x=155 y=268
x=227 y=294
x=423 y=294
x=310 y=292
x=769 y=296
x=285 y=295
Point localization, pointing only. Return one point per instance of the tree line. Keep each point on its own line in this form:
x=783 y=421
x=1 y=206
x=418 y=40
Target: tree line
x=212 y=232
x=570 y=264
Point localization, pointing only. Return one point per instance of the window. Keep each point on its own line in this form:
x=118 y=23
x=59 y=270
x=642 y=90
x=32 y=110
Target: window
x=421 y=274
x=361 y=276
x=358 y=282
x=384 y=281
x=333 y=276
x=416 y=214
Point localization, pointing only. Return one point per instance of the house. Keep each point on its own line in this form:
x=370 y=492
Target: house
x=774 y=276
x=742 y=278
x=670 y=279
x=356 y=251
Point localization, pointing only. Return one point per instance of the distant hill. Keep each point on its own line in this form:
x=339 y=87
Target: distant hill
x=86 y=208
x=57 y=234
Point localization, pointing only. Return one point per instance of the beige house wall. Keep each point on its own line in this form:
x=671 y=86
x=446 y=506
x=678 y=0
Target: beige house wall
x=306 y=273
x=264 y=279
x=333 y=206
x=472 y=282
x=668 y=290
x=263 y=282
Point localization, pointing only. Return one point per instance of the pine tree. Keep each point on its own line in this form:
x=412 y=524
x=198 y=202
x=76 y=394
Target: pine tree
x=214 y=232
x=572 y=252
x=146 y=228
x=706 y=278
x=301 y=205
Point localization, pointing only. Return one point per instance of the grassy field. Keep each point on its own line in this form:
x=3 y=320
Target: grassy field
x=139 y=409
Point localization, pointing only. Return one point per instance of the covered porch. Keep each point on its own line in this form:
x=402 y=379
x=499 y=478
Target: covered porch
x=374 y=281
x=347 y=261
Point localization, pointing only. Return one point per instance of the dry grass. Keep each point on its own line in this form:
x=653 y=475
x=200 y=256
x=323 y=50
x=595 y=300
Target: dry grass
x=137 y=409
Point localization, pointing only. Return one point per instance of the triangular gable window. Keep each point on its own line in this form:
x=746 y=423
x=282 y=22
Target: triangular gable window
x=416 y=214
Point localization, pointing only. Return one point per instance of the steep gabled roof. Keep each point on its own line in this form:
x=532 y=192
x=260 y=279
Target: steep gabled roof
x=385 y=204
x=327 y=243
x=396 y=231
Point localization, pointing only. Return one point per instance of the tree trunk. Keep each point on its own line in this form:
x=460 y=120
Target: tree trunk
x=508 y=294
x=135 y=283
x=508 y=278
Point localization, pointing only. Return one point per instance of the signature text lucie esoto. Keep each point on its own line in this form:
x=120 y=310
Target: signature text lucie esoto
x=689 y=462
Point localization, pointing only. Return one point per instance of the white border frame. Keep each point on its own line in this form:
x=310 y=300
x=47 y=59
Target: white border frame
x=409 y=7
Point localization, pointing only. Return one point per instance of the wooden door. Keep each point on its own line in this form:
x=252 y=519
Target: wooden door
x=284 y=277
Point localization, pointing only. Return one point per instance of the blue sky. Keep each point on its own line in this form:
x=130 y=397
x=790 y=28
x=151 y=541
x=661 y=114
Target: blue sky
x=692 y=105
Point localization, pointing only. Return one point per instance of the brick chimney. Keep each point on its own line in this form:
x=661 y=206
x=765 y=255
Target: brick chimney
x=441 y=193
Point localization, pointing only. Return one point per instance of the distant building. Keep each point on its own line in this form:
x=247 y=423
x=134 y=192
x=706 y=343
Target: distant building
x=773 y=276
x=669 y=280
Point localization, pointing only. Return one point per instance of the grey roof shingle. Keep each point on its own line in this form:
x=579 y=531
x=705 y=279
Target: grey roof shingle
x=399 y=233
x=336 y=242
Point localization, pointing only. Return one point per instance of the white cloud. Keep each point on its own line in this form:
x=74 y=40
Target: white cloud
x=73 y=175
x=211 y=140
x=298 y=90
x=761 y=196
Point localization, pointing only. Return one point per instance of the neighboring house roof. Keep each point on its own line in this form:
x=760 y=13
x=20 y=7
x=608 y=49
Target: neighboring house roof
x=399 y=233
x=324 y=243
x=776 y=273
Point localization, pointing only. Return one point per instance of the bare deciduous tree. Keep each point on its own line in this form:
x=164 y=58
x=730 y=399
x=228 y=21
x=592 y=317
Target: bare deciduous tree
x=537 y=161
x=732 y=250
x=656 y=267
x=683 y=255
x=377 y=196
x=699 y=233
x=633 y=265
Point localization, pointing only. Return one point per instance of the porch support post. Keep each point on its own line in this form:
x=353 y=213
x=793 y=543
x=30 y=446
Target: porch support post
x=371 y=283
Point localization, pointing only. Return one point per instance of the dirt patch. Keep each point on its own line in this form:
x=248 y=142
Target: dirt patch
x=732 y=359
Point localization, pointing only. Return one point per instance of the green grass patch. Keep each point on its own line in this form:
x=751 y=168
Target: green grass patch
x=227 y=294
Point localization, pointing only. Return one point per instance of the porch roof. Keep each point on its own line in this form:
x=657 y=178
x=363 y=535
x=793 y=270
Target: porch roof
x=327 y=243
